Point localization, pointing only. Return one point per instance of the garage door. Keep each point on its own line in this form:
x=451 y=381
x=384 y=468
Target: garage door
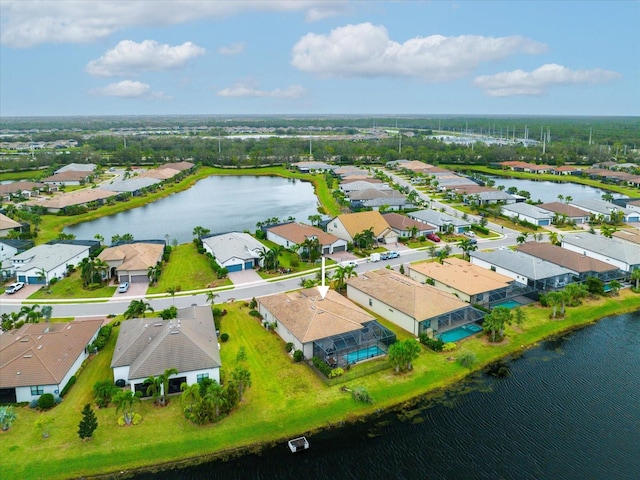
x=139 y=279
x=22 y=278
x=36 y=280
x=543 y=223
x=234 y=268
x=248 y=265
x=342 y=248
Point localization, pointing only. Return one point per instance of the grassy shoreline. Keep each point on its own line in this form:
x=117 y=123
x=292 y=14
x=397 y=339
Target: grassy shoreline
x=285 y=400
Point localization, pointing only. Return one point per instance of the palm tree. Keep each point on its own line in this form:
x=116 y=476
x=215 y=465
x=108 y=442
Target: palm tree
x=190 y=393
x=342 y=274
x=137 y=308
x=242 y=377
x=614 y=287
x=154 y=272
x=554 y=299
x=32 y=314
x=165 y=382
x=468 y=246
x=215 y=395
x=200 y=232
x=124 y=401
x=522 y=238
x=495 y=322
x=635 y=276
x=211 y=296
x=315 y=219
x=172 y=291
x=443 y=253
x=154 y=387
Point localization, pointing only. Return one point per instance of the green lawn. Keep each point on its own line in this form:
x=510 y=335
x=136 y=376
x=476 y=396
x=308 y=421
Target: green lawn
x=71 y=288
x=286 y=399
x=187 y=270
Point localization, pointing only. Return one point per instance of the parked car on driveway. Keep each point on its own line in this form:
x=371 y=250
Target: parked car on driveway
x=14 y=287
x=470 y=233
x=433 y=237
x=123 y=287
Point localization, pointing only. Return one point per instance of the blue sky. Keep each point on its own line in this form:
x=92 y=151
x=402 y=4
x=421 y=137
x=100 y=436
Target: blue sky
x=134 y=57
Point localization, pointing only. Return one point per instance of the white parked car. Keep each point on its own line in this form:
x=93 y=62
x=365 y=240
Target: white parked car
x=14 y=287
x=350 y=263
x=123 y=287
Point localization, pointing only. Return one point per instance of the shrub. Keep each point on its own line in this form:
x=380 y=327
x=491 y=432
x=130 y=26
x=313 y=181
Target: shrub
x=480 y=229
x=255 y=313
x=53 y=281
x=169 y=313
x=434 y=344
x=467 y=359
x=294 y=263
x=336 y=372
x=361 y=394
x=288 y=347
x=449 y=347
x=298 y=356
x=224 y=337
x=321 y=365
x=46 y=401
x=69 y=384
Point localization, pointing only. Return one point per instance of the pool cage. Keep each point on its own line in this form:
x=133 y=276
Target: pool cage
x=453 y=319
x=344 y=349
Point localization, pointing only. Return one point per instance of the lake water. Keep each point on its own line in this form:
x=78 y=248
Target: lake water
x=549 y=191
x=569 y=409
x=219 y=203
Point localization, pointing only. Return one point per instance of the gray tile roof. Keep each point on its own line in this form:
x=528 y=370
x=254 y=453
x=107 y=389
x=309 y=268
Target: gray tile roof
x=130 y=185
x=526 y=209
x=599 y=206
x=613 y=248
x=526 y=265
x=437 y=218
x=47 y=256
x=234 y=245
x=152 y=345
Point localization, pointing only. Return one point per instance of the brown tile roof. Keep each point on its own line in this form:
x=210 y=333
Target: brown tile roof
x=308 y=317
x=359 y=222
x=299 y=232
x=564 y=209
x=358 y=178
x=42 y=353
x=6 y=222
x=79 y=197
x=565 y=258
x=402 y=222
x=180 y=166
x=416 y=166
x=134 y=256
x=628 y=235
x=462 y=275
x=565 y=168
x=16 y=187
x=151 y=345
x=406 y=295
x=160 y=174
x=68 y=176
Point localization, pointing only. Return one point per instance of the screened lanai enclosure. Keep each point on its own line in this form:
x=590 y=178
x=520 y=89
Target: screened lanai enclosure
x=371 y=341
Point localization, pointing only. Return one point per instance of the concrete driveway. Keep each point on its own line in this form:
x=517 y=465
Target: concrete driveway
x=23 y=293
x=245 y=276
x=136 y=290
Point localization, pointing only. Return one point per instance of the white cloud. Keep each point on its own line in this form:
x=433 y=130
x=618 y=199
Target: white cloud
x=129 y=57
x=29 y=23
x=249 y=89
x=538 y=81
x=365 y=50
x=233 y=49
x=128 y=89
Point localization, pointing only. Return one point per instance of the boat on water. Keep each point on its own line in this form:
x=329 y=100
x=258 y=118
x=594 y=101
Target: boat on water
x=298 y=444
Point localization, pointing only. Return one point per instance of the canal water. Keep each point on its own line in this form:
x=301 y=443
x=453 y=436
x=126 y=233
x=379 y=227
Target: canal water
x=549 y=191
x=219 y=203
x=568 y=409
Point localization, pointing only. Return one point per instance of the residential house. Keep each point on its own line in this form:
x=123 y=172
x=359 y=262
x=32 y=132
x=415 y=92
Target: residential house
x=444 y=221
x=291 y=234
x=69 y=177
x=78 y=198
x=41 y=358
x=630 y=235
x=407 y=227
x=566 y=170
x=77 y=167
x=466 y=281
x=160 y=173
x=348 y=225
x=147 y=347
x=10 y=247
x=415 y=307
x=308 y=167
x=130 y=262
x=633 y=205
x=490 y=196
x=24 y=189
x=135 y=186
x=530 y=213
x=360 y=185
x=332 y=328
x=583 y=265
x=375 y=199
x=603 y=210
x=623 y=254
x=525 y=269
x=564 y=213
x=40 y=264
x=179 y=166
x=8 y=225
x=234 y=251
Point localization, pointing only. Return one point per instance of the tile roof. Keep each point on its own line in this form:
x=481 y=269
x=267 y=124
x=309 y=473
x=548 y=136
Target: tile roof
x=6 y=222
x=565 y=258
x=406 y=295
x=79 y=197
x=67 y=176
x=234 y=245
x=435 y=217
x=149 y=346
x=463 y=276
x=180 y=166
x=130 y=184
x=43 y=353
x=359 y=222
x=160 y=174
x=77 y=167
x=134 y=256
x=518 y=262
x=309 y=317
x=628 y=235
x=404 y=223
x=531 y=211
x=15 y=187
x=613 y=248
x=47 y=257
x=299 y=232
x=564 y=209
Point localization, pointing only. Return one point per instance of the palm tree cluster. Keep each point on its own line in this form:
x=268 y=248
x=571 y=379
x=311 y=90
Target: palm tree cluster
x=93 y=270
x=402 y=354
x=208 y=401
x=137 y=309
x=270 y=258
x=27 y=314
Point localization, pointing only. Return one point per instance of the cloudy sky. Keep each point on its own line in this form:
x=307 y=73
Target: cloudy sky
x=67 y=57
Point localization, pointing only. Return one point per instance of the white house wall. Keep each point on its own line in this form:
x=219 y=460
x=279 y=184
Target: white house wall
x=121 y=373
x=335 y=227
x=23 y=394
x=618 y=263
x=385 y=311
x=419 y=277
x=285 y=334
x=490 y=266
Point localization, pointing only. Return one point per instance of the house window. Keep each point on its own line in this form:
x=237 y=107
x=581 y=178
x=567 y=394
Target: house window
x=370 y=303
x=37 y=390
x=493 y=269
x=201 y=376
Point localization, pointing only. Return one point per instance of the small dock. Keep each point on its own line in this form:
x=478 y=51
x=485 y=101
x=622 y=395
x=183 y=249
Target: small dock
x=298 y=444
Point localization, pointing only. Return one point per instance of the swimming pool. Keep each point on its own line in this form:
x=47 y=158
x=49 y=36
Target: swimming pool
x=459 y=333
x=359 y=355
x=509 y=304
